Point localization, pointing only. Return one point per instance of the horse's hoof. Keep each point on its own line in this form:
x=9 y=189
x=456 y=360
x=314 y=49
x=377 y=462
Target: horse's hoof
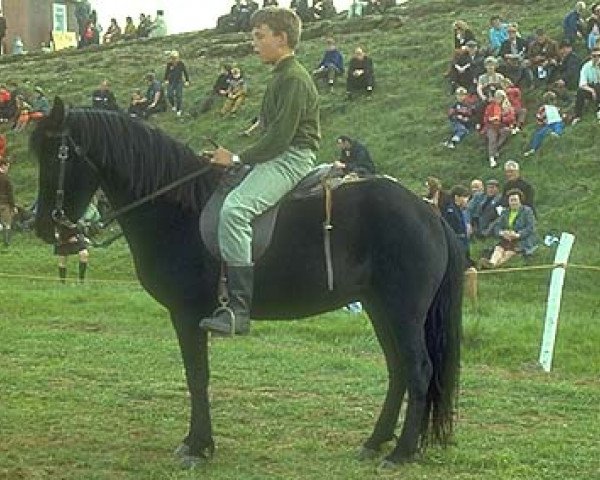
x=182 y=450
x=366 y=453
x=387 y=466
x=190 y=462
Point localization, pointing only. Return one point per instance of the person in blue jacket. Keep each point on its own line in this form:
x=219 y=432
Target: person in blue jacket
x=331 y=66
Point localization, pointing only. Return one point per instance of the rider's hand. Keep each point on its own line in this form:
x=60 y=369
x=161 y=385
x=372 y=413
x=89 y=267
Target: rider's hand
x=222 y=157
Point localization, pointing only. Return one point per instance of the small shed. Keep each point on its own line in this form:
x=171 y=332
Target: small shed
x=35 y=20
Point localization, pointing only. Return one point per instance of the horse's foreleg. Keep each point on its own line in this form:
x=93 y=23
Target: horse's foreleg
x=418 y=371
x=388 y=418
x=193 y=342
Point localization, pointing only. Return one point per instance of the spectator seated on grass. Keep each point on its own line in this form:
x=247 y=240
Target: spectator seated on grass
x=361 y=74
x=513 y=45
x=549 y=121
x=497 y=34
x=566 y=74
x=159 y=26
x=589 y=86
x=331 y=65
x=489 y=81
x=498 y=118
x=485 y=212
x=543 y=57
x=154 y=101
x=466 y=67
x=513 y=93
x=516 y=230
x=130 y=30
x=460 y=117
x=7 y=105
x=592 y=30
x=378 y=7
x=113 y=32
x=513 y=69
x=435 y=194
x=462 y=34
x=219 y=90
x=103 y=98
x=512 y=174
x=236 y=93
x=477 y=195
x=454 y=212
x=354 y=157
x=144 y=27
x=574 y=24
x=357 y=8
x=37 y=109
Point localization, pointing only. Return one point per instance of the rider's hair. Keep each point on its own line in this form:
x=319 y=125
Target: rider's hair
x=280 y=20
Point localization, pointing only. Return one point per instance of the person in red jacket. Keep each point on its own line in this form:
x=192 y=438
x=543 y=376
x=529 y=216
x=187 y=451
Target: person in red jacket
x=498 y=116
x=513 y=92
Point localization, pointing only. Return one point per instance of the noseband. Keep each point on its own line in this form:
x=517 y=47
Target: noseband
x=58 y=215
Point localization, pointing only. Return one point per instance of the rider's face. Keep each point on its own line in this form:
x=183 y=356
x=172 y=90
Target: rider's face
x=269 y=46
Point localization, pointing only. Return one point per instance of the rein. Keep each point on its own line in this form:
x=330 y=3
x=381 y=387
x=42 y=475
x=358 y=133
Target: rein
x=58 y=214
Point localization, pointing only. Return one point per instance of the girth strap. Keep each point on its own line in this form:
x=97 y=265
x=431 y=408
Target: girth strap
x=327 y=227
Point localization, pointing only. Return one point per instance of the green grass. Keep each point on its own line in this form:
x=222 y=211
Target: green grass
x=91 y=382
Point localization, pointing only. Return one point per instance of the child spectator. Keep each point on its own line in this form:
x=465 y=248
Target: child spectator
x=459 y=115
x=497 y=119
x=71 y=242
x=174 y=75
x=549 y=122
x=513 y=93
x=40 y=106
x=7 y=110
x=23 y=112
x=331 y=65
x=7 y=202
x=236 y=93
x=136 y=104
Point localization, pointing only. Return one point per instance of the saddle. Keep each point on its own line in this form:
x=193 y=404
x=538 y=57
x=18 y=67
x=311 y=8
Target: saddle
x=314 y=184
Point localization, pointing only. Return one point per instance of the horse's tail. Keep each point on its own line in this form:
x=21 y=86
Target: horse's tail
x=443 y=335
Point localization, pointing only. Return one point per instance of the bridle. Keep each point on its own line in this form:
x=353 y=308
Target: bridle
x=60 y=218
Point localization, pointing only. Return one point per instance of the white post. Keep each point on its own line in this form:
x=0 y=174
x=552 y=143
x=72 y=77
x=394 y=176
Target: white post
x=554 y=296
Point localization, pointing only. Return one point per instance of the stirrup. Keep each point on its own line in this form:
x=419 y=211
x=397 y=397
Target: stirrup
x=224 y=308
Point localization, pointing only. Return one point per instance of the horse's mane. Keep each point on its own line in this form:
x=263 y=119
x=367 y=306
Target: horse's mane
x=145 y=155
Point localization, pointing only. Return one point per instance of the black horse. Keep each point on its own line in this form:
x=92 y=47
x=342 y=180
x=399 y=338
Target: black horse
x=390 y=250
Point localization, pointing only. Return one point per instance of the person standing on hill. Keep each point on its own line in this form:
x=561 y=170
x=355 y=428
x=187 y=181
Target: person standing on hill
x=71 y=242
x=175 y=72
x=281 y=157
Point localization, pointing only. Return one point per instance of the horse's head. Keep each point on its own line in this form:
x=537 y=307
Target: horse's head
x=67 y=178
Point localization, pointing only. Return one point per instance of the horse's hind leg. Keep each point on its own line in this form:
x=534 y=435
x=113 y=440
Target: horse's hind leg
x=411 y=339
x=388 y=418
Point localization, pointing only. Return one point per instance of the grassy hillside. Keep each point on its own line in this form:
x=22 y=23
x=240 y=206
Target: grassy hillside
x=90 y=377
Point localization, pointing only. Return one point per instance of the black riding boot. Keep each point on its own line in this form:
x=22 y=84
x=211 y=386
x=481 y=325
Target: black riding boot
x=240 y=284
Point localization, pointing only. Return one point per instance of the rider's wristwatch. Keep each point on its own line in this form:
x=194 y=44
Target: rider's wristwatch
x=236 y=159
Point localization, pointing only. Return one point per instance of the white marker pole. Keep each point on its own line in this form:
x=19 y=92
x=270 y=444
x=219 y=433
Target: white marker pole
x=554 y=296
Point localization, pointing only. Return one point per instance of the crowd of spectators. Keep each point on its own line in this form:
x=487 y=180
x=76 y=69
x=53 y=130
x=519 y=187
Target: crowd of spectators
x=493 y=80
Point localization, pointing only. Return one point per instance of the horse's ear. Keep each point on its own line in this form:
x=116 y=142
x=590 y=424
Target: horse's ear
x=56 y=117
